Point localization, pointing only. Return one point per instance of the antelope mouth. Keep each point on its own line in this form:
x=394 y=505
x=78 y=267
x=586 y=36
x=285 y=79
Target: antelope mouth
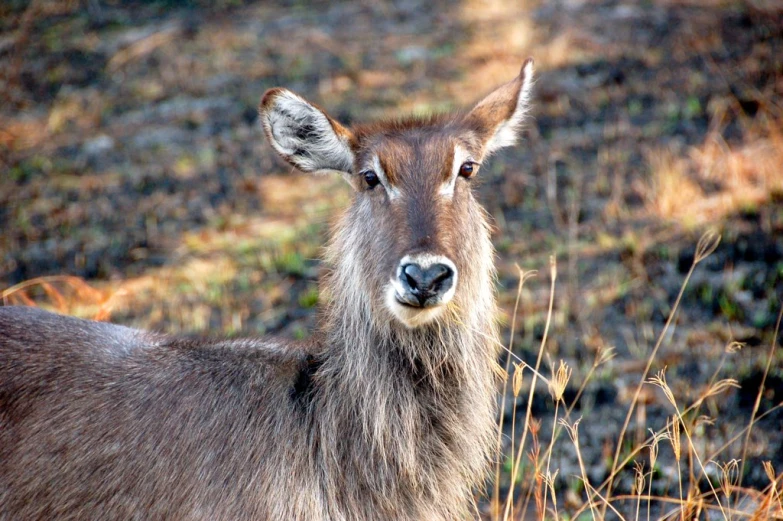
x=411 y=315
x=405 y=304
x=409 y=301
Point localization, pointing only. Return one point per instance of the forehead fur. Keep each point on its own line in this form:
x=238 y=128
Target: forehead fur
x=414 y=127
x=414 y=148
x=427 y=135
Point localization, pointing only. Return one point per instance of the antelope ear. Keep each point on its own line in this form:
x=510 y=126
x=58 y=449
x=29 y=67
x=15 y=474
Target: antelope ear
x=303 y=134
x=498 y=118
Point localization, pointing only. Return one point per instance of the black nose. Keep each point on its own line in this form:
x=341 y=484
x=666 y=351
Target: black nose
x=424 y=286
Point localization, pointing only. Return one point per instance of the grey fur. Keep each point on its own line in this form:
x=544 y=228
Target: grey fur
x=368 y=420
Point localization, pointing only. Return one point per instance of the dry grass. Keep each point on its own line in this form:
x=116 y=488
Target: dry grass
x=215 y=275
x=696 y=467
x=531 y=460
x=742 y=176
x=65 y=293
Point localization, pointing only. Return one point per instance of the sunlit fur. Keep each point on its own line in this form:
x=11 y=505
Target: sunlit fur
x=425 y=396
x=292 y=125
x=460 y=156
x=376 y=417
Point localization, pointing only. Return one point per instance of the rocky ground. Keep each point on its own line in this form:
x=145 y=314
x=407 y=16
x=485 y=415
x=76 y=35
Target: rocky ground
x=131 y=158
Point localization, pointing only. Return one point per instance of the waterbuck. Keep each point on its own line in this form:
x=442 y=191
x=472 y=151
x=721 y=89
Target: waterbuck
x=386 y=413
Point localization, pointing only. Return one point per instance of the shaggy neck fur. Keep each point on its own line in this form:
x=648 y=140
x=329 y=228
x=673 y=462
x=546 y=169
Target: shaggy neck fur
x=406 y=417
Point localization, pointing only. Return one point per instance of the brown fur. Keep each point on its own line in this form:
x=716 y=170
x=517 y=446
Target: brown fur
x=368 y=420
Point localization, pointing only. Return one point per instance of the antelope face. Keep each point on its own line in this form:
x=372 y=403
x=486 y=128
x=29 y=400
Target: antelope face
x=414 y=241
x=414 y=189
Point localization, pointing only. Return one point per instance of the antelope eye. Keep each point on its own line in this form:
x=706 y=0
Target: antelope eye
x=467 y=169
x=371 y=178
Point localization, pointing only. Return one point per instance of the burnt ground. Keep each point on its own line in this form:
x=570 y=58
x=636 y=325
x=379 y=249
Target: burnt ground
x=131 y=158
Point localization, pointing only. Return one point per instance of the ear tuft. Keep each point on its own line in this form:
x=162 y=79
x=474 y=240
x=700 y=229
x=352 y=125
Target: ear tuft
x=268 y=98
x=303 y=134
x=527 y=69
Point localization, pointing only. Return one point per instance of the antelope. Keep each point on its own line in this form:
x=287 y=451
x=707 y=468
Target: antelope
x=387 y=412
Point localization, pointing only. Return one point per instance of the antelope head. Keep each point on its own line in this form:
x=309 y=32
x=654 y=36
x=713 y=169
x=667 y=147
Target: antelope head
x=414 y=242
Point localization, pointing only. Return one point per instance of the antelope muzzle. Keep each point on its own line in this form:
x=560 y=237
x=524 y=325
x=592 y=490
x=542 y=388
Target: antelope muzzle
x=422 y=286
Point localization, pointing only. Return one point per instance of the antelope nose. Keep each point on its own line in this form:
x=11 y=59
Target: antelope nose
x=425 y=286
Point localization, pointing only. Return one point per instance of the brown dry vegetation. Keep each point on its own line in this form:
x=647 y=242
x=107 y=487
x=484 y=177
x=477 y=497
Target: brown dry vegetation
x=136 y=185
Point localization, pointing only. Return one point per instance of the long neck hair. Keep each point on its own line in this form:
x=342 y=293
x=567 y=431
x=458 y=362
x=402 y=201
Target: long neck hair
x=408 y=415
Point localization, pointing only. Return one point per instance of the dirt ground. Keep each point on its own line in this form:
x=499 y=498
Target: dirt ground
x=131 y=157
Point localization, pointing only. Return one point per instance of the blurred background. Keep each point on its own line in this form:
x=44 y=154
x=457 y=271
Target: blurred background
x=135 y=182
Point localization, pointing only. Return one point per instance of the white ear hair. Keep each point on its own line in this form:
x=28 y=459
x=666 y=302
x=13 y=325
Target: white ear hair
x=303 y=134
x=507 y=131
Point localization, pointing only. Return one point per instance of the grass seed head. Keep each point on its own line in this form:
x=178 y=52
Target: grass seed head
x=770 y=471
x=573 y=430
x=674 y=436
x=706 y=245
x=729 y=473
x=656 y=439
x=560 y=381
x=519 y=376
x=660 y=381
x=722 y=385
x=604 y=355
x=734 y=346
x=640 y=477
x=549 y=480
